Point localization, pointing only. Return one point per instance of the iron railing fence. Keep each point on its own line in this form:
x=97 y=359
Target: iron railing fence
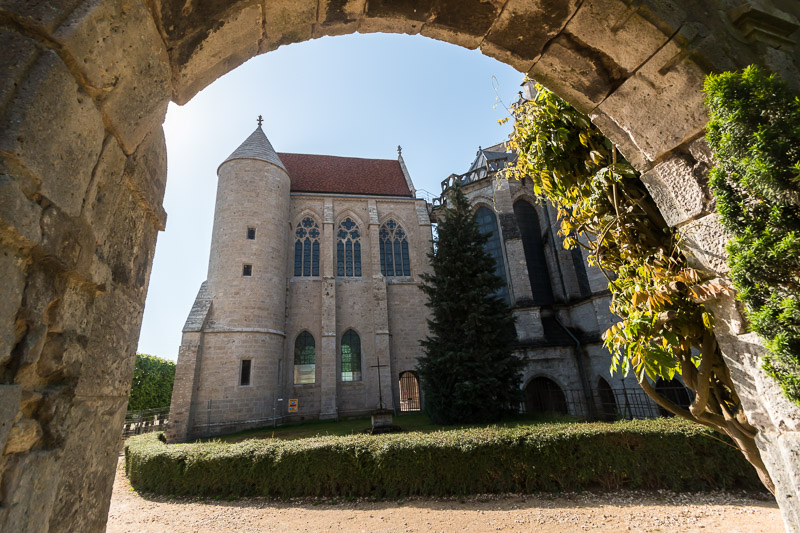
x=145 y=421
x=609 y=404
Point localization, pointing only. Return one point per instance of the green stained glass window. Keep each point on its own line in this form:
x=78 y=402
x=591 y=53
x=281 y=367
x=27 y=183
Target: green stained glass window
x=304 y=359
x=351 y=356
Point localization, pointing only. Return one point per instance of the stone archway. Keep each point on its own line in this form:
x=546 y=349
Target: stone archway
x=82 y=99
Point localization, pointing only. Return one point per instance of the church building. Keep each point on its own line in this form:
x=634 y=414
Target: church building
x=312 y=306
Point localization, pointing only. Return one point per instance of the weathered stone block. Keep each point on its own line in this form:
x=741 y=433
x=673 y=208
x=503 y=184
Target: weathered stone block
x=622 y=139
x=10 y=396
x=102 y=196
x=23 y=436
x=661 y=106
x=146 y=174
x=19 y=217
x=54 y=130
x=43 y=14
x=89 y=459
x=581 y=75
x=675 y=187
x=117 y=47
x=524 y=29
x=206 y=55
x=30 y=482
x=335 y=17
x=19 y=53
x=705 y=240
x=462 y=23
x=619 y=30
x=288 y=22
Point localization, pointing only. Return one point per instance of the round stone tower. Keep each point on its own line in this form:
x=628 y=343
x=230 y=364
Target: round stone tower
x=244 y=335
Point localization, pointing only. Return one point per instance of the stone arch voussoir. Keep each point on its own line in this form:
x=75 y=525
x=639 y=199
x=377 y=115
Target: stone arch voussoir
x=83 y=169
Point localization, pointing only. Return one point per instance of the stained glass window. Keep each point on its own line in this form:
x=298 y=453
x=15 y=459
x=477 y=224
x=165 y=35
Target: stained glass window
x=394 y=250
x=351 y=356
x=306 y=248
x=304 y=359
x=348 y=249
x=487 y=224
x=533 y=246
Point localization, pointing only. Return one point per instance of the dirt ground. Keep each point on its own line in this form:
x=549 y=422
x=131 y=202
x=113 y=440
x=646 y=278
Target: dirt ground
x=618 y=511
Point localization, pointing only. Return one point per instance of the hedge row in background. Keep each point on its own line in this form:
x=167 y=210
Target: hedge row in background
x=652 y=454
x=152 y=383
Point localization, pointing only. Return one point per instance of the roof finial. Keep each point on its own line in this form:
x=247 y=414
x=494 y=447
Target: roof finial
x=399 y=150
x=260 y=120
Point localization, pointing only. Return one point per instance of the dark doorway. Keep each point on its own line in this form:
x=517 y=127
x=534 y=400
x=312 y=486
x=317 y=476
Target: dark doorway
x=674 y=391
x=543 y=395
x=608 y=403
x=409 y=392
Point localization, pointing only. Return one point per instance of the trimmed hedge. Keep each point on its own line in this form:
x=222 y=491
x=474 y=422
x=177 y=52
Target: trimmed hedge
x=650 y=454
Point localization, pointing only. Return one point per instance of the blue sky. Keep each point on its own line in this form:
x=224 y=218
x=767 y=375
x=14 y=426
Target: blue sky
x=355 y=95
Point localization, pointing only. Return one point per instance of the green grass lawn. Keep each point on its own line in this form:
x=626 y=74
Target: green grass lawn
x=409 y=422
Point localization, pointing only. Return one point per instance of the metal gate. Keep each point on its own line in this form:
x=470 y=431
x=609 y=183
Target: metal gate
x=409 y=392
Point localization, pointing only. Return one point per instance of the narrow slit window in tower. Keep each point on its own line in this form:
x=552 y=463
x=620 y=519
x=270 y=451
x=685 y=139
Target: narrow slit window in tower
x=244 y=374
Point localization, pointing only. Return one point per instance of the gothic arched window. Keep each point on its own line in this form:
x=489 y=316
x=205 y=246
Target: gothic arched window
x=394 y=250
x=306 y=248
x=304 y=359
x=348 y=249
x=533 y=246
x=487 y=224
x=351 y=356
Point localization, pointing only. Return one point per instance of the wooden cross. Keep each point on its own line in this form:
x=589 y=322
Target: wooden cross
x=380 y=388
x=260 y=120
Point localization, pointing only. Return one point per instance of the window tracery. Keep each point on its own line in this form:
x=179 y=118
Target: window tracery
x=306 y=248
x=348 y=248
x=394 y=250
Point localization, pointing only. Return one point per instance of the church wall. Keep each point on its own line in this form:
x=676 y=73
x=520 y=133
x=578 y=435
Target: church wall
x=220 y=400
x=304 y=313
x=354 y=311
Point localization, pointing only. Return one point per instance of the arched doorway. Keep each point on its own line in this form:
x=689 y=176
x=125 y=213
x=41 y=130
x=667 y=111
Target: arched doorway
x=544 y=396
x=82 y=122
x=674 y=391
x=409 y=392
x=608 y=402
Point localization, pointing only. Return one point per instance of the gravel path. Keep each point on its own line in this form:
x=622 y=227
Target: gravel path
x=617 y=511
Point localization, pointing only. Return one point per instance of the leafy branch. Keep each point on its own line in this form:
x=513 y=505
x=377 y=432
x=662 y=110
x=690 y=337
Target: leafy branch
x=602 y=205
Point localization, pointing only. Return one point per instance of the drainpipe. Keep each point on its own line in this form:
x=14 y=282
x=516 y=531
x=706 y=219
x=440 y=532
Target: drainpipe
x=587 y=391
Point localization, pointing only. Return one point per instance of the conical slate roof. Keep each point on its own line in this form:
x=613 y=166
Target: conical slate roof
x=257 y=146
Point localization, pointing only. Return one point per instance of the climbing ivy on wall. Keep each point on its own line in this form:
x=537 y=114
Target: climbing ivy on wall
x=151 y=387
x=754 y=133
x=664 y=329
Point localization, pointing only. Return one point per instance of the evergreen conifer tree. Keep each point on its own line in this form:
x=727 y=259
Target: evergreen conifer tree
x=469 y=372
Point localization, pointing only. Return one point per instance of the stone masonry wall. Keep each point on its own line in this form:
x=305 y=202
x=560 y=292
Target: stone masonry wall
x=82 y=170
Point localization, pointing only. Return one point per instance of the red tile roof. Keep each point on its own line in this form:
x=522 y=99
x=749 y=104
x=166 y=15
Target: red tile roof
x=345 y=175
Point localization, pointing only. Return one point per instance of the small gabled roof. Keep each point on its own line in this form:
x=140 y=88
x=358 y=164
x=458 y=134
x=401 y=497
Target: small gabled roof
x=258 y=147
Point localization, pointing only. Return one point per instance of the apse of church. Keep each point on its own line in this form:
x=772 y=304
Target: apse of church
x=560 y=303
x=312 y=289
